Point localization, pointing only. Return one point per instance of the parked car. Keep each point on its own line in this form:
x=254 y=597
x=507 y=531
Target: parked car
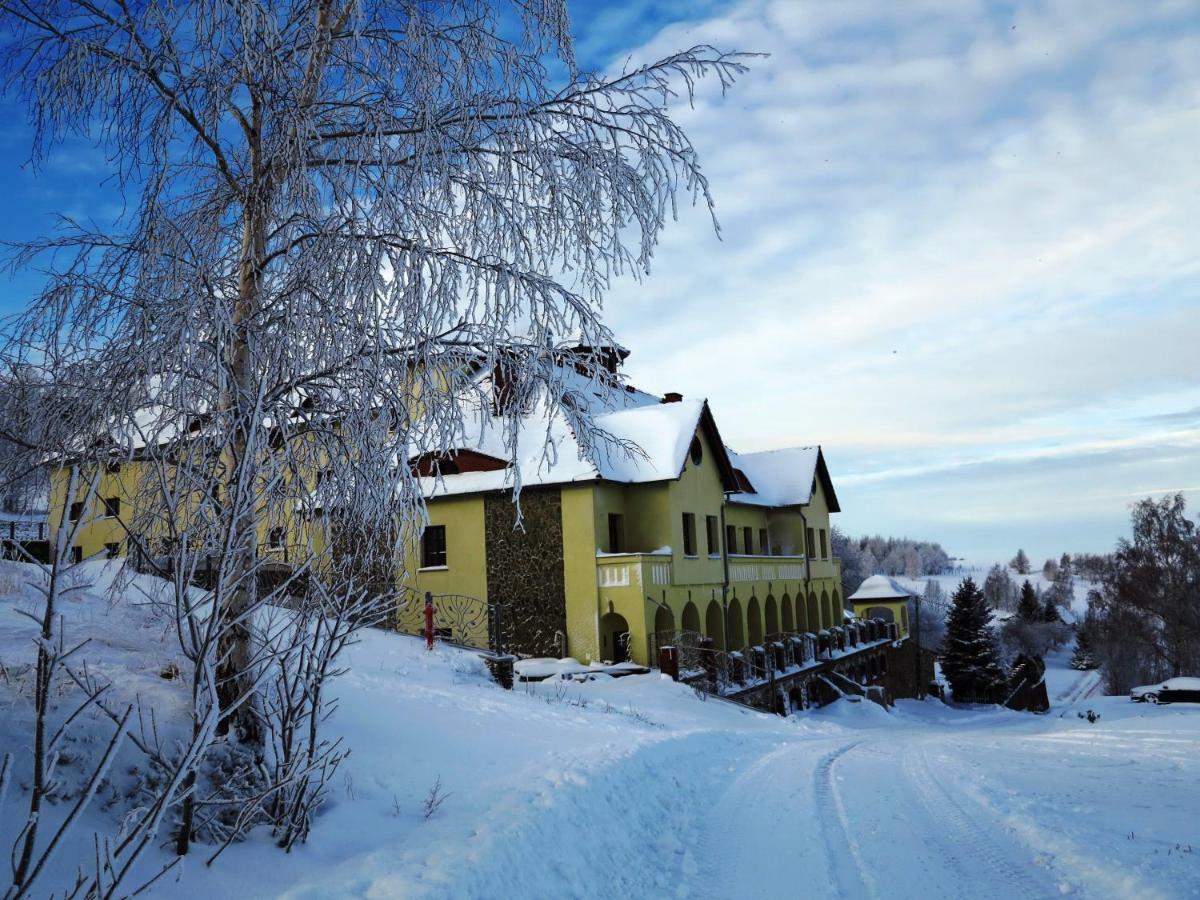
x=1173 y=690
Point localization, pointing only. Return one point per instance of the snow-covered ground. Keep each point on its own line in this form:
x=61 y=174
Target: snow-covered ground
x=637 y=787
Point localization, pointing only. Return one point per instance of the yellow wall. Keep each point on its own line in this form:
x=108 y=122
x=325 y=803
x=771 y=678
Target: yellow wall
x=579 y=568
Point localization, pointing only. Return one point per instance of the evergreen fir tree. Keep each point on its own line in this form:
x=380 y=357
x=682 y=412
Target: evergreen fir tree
x=1050 y=609
x=1029 y=607
x=1083 y=658
x=970 y=658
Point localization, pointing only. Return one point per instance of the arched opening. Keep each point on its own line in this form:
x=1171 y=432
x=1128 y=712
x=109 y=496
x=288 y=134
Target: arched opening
x=837 y=603
x=614 y=637
x=664 y=625
x=827 y=611
x=714 y=624
x=883 y=613
x=785 y=607
x=801 y=614
x=737 y=633
x=691 y=618
x=771 y=611
x=814 y=615
x=754 y=622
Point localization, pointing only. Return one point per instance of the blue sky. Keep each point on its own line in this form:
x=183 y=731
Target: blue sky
x=960 y=251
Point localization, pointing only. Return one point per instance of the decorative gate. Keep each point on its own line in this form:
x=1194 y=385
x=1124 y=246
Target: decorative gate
x=457 y=618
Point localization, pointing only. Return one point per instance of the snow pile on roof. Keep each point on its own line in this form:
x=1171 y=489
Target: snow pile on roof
x=880 y=587
x=779 y=477
x=649 y=442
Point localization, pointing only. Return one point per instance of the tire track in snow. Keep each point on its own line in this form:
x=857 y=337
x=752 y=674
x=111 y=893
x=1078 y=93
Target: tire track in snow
x=1082 y=869
x=847 y=868
x=1005 y=876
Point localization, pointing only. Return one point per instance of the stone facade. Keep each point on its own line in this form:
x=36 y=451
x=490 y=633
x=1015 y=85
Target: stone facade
x=901 y=678
x=525 y=570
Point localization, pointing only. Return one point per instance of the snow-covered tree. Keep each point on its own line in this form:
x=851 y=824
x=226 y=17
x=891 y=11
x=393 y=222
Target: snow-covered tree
x=1029 y=607
x=1019 y=563
x=970 y=658
x=1049 y=569
x=1084 y=658
x=338 y=214
x=1147 y=610
x=1050 y=611
x=999 y=589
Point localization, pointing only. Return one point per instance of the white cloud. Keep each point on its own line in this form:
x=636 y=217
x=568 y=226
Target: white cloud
x=1011 y=210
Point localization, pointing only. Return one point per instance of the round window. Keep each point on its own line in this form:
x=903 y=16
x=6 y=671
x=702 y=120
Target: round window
x=697 y=451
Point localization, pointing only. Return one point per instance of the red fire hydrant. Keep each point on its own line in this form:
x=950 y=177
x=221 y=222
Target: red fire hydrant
x=428 y=621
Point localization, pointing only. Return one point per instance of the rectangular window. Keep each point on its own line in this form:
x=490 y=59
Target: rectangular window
x=76 y=510
x=276 y=539
x=764 y=546
x=689 y=534
x=112 y=551
x=433 y=547
x=712 y=530
x=616 y=533
x=748 y=540
x=77 y=554
x=112 y=507
x=730 y=539
x=824 y=545
x=811 y=551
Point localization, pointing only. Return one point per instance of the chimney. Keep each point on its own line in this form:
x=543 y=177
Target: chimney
x=672 y=397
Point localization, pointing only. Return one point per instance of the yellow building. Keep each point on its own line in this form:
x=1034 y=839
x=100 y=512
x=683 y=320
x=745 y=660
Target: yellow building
x=620 y=546
x=618 y=552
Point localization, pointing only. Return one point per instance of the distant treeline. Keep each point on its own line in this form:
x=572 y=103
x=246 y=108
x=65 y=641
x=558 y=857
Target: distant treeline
x=878 y=555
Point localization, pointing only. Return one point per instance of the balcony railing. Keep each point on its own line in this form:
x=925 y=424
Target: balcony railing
x=633 y=570
x=765 y=568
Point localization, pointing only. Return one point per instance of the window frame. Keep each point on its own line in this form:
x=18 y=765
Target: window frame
x=748 y=539
x=689 y=534
x=76 y=510
x=433 y=556
x=616 y=533
x=764 y=542
x=712 y=535
x=112 y=507
x=810 y=540
x=277 y=538
x=731 y=539
x=824 y=544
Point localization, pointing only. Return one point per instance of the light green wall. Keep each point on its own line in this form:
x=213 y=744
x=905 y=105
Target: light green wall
x=579 y=568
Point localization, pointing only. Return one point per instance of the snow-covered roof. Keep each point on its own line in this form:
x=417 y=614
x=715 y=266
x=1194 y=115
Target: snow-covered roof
x=880 y=587
x=783 y=477
x=779 y=477
x=662 y=432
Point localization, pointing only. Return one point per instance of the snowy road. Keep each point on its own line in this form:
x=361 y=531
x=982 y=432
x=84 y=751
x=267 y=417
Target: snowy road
x=953 y=805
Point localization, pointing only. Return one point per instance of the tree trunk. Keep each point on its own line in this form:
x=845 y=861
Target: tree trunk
x=235 y=646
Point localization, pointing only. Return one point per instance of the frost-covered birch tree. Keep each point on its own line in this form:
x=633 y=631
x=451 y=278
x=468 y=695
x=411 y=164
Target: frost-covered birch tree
x=338 y=213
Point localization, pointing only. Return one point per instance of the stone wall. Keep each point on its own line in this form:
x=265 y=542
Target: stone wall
x=525 y=570
x=901 y=677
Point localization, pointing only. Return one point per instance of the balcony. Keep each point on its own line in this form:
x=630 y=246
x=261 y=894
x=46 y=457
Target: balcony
x=743 y=568
x=640 y=570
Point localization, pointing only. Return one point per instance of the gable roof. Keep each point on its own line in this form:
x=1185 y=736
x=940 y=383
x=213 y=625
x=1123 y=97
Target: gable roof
x=783 y=477
x=650 y=442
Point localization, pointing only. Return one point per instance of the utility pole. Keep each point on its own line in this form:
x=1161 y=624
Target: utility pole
x=917 y=657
